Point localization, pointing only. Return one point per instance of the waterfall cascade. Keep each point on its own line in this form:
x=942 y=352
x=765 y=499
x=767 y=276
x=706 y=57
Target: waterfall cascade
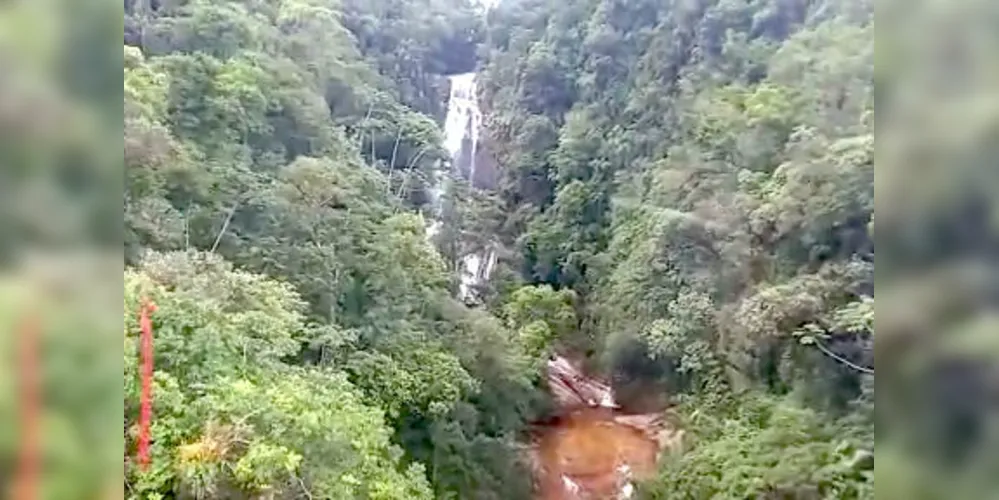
x=462 y=123
x=461 y=138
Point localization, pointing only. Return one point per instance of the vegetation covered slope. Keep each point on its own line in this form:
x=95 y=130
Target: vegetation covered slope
x=687 y=196
x=293 y=140
x=700 y=175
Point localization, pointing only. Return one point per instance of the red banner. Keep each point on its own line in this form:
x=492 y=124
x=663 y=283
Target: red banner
x=146 y=401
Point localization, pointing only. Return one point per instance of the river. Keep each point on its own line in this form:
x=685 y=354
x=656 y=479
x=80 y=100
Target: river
x=591 y=448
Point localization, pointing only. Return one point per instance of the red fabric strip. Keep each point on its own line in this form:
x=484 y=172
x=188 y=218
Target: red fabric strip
x=146 y=401
x=29 y=456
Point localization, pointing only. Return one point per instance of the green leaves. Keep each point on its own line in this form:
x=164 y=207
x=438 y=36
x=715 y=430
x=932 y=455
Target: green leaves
x=420 y=380
x=707 y=199
x=686 y=190
x=686 y=332
x=232 y=417
x=293 y=139
x=780 y=450
x=542 y=318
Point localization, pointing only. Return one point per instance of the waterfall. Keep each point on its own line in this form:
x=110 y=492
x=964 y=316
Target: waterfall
x=461 y=138
x=463 y=121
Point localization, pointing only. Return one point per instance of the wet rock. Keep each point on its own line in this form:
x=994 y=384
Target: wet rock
x=591 y=449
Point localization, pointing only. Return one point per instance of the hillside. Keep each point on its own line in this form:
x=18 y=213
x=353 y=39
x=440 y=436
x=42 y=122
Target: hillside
x=678 y=193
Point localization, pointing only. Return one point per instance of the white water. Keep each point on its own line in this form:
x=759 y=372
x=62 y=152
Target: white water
x=627 y=487
x=463 y=119
x=570 y=486
x=462 y=123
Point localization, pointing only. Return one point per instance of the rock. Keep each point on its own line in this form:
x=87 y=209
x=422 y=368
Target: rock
x=588 y=449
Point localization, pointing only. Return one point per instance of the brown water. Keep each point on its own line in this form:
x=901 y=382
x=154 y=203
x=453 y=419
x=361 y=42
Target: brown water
x=591 y=449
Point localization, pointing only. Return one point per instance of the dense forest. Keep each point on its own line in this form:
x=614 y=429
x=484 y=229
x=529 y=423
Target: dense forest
x=685 y=200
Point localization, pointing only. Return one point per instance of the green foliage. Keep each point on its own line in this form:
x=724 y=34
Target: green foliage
x=701 y=176
x=766 y=449
x=297 y=140
x=421 y=381
x=541 y=316
x=685 y=336
x=80 y=386
x=689 y=172
x=414 y=43
x=686 y=191
x=233 y=418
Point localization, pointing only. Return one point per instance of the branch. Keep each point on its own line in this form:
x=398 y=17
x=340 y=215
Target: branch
x=409 y=170
x=225 y=225
x=363 y=124
x=841 y=359
x=305 y=490
x=391 y=166
x=419 y=154
x=395 y=148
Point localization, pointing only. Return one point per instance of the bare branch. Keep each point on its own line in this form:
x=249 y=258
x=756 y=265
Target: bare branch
x=841 y=359
x=305 y=490
x=419 y=154
x=391 y=166
x=225 y=225
x=361 y=126
x=395 y=148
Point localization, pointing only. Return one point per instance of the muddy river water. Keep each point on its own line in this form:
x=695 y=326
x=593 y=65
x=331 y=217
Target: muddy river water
x=591 y=449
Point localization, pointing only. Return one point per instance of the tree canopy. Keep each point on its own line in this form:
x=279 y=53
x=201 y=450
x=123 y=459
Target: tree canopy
x=685 y=199
x=278 y=160
x=700 y=176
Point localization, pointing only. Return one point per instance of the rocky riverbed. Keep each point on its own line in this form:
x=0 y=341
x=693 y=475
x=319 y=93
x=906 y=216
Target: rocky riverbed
x=591 y=448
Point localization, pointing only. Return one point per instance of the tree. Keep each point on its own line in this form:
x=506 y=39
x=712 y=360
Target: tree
x=542 y=318
x=233 y=418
